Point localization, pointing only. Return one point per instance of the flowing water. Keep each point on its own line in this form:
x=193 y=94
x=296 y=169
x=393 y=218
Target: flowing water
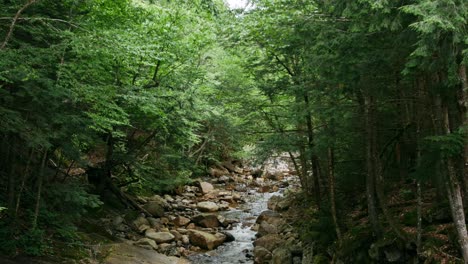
x=240 y=250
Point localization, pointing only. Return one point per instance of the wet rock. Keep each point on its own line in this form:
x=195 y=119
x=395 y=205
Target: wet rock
x=270 y=241
x=207 y=206
x=281 y=255
x=156 y=208
x=229 y=236
x=181 y=221
x=206 y=240
x=206 y=220
x=206 y=187
x=147 y=243
x=159 y=237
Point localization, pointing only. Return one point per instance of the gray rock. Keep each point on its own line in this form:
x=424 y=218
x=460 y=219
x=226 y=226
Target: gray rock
x=206 y=187
x=146 y=242
x=206 y=240
x=207 y=206
x=159 y=237
x=262 y=255
x=181 y=221
x=156 y=208
x=206 y=220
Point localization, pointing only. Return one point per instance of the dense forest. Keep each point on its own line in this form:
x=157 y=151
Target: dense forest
x=104 y=101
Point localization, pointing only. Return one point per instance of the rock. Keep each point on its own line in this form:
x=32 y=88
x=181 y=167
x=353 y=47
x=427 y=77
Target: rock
x=206 y=240
x=281 y=255
x=117 y=221
x=266 y=228
x=224 y=179
x=141 y=220
x=262 y=255
x=267 y=216
x=156 y=208
x=168 y=198
x=154 y=223
x=181 y=221
x=229 y=236
x=217 y=172
x=207 y=206
x=206 y=187
x=270 y=241
x=159 y=237
x=146 y=242
x=206 y=220
x=185 y=239
x=176 y=234
x=123 y=253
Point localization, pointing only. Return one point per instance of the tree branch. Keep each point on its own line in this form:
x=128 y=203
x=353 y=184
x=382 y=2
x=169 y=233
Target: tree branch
x=13 y=22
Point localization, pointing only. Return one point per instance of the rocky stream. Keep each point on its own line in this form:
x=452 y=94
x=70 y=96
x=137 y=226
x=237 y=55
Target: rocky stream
x=233 y=216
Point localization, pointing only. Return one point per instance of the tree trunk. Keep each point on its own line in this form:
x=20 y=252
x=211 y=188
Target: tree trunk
x=454 y=193
x=370 y=178
x=463 y=110
x=313 y=157
x=39 y=190
x=331 y=184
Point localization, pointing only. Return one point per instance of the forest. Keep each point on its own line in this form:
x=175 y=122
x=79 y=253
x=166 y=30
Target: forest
x=104 y=102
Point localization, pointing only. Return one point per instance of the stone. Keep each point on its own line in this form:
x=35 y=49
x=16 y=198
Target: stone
x=206 y=187
x=181 y=221
x=270 y=241
x=206 y=240
x=261 y=255
x=185 y=239
x=207 y=206
x=123 y=253
x=224 y=179
x=206 y=220
x=229 y=236
x=217 y=172
x=154 y=222
x=117 y=221
x=282 y=255
x=168 y=198
x=146 y=242
x=267 y=216
x=176 y=234
x=155 y=208
x=141 y=220
x=266 y=228
x=159 y=237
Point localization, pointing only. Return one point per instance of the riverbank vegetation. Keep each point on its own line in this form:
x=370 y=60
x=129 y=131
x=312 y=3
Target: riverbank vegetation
x=105 y=100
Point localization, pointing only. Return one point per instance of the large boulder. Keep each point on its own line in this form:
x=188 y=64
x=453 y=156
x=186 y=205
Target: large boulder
x=206 y=240
x=156 y=208
x=266 y=228
x=128 y=254
x=270 y=242
x=206 y=220
x=206 y=187
x=159 y=237
x=267 y=216
x=207 y=206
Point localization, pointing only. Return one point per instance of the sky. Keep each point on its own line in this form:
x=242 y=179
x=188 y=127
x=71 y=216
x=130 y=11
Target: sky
x=237 y=3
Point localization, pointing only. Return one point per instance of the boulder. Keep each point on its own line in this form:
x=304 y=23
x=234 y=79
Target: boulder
x=270 y=241
x=224 y=179
x=262 y=255
x=156 y=208
x=206 y=240
x=159 y=237
x=124 y=254
x=206 y=220
x=229 y=236
x=266 y=228
x=206 y=187
x=267 y=216
x=181 y=221
x=282 y=255
x=207 y=206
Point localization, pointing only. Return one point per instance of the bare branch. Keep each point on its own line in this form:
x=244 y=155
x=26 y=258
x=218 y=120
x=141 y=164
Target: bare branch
x=13 y=22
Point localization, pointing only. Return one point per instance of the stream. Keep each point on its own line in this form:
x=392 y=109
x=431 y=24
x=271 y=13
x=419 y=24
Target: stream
x=240 y=250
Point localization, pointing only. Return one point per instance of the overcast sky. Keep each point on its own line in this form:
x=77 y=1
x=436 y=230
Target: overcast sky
x=237 y=3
